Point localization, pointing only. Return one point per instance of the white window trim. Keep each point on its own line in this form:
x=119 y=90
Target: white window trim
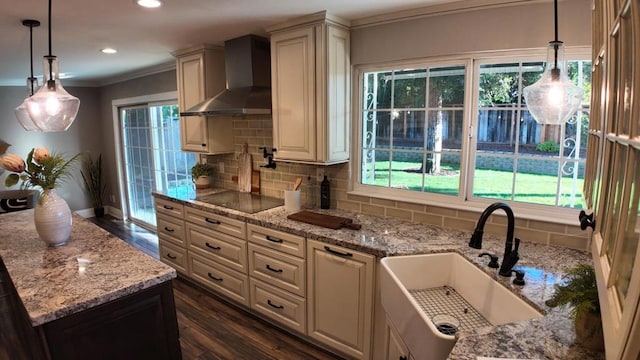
x=545 y=213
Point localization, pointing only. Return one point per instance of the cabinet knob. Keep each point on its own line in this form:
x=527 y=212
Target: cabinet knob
x=204 y=145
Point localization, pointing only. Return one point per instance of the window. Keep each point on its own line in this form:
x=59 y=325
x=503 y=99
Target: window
x=412 y=131
x=147 y=129
x=458 y=131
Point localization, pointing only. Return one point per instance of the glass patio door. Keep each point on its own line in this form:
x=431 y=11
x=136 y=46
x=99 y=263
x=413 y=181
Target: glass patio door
x=152 y=158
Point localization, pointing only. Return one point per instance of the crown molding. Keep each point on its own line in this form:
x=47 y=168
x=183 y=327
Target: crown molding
x=438 y=9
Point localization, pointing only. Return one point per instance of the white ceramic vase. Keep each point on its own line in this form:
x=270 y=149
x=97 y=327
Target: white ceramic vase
x=53 y=219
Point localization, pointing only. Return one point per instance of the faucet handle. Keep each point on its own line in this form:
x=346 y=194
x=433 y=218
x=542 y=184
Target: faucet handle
x=519 y=280
x=493 y=263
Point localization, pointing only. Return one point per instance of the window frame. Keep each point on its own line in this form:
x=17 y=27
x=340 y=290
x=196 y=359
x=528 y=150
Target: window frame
x=464 y=200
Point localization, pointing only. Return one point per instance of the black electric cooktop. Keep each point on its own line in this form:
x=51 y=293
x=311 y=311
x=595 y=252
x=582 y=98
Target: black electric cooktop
x=245 y=202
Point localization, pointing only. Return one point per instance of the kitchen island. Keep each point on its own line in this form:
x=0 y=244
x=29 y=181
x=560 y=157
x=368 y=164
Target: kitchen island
x=94 y=298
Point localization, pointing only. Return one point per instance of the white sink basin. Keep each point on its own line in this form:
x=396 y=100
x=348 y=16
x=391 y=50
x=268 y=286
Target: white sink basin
x=400 y=276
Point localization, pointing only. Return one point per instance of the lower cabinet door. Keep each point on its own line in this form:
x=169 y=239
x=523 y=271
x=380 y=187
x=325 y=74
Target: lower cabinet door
x=227 y=282
x=340 y=298
x=173 y=256
x=281 y=306
x=396 y=349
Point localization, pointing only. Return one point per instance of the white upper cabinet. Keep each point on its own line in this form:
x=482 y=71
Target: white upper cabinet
x=201 y=75
x=310 y=77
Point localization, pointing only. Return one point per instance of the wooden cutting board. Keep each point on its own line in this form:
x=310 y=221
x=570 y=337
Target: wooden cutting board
x=244 y=169
x=324 y=220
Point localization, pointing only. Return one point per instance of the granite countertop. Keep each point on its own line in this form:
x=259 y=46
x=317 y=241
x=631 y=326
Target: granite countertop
x=93 y=268
x=549 y=337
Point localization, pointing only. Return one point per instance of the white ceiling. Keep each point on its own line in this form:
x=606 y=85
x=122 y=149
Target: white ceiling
x=145 y=38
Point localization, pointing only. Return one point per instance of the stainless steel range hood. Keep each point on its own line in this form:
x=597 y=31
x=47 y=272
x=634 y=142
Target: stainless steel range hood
x=248 y=72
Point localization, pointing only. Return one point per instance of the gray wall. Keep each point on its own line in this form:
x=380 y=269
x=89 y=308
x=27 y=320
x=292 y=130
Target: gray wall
x=510 y=27
x=83 y=135
x=147 y=85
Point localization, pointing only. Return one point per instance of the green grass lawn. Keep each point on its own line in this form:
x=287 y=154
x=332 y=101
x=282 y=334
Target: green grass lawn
x=495 y=184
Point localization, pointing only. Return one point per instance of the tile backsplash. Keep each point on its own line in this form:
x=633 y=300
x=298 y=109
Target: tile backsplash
x=256 y=131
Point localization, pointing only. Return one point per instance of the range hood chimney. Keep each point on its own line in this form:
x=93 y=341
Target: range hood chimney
x=248 y=72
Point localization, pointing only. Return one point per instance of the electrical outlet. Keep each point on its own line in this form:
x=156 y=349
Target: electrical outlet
x=319 y=174
x=221 y=167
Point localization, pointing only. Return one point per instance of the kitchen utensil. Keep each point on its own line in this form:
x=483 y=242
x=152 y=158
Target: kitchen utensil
x=255 y=181
x=296 y=185
x=324 y=220
x=244 y=169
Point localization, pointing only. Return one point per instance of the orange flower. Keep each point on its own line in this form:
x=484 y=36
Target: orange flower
x=40 y=154
x=13 y=162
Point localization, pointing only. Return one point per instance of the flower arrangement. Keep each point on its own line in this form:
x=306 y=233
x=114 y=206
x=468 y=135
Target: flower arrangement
x=43 y=169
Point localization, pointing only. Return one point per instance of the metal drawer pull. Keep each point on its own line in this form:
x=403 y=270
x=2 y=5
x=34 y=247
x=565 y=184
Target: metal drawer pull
x=338 y=253
x=275 y=306
x=214 y=278
x=274 y=239
x=272 y=269
x=211 y=221
x=168 y=207
x=211 y=246
x=171 y=256
x=168 y=229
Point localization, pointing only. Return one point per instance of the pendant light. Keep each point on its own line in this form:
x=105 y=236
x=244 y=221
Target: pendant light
x=32 y=83
x=554 y=98
x=51 y=108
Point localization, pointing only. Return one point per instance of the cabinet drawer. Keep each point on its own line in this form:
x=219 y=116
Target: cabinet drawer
x=220 y=278
x=277 y=240
x=170 y=229
x=173 y=256
x=216 y=222
x=284 y=271
x=225 y=249
x=169 y=208
x=279 y=305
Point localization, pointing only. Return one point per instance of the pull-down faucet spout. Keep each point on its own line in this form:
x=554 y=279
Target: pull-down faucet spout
x=476 y=238
x=511 y=256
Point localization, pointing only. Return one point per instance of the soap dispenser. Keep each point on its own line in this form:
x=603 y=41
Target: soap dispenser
x=325 y=191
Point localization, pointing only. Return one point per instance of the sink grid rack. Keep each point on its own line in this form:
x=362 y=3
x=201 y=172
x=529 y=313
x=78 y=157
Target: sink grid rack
x=446 y=300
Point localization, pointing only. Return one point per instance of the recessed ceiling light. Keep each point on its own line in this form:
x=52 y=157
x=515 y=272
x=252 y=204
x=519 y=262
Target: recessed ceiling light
x=109 y=50
x=149 y=3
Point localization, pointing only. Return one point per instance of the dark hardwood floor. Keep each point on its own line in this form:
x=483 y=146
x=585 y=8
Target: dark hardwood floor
x=211 y=328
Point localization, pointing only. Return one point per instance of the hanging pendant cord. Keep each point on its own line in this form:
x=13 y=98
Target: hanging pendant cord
x=31 y=56
x=51 y=82
x=556 y=42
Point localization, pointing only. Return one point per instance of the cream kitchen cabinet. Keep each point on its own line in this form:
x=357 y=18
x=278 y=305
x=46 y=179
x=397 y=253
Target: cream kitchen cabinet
x=340 y=285
x=277 y=271
x=217 y=253
x=310 y=75
x=170 y=228
x=395 y=347
x=201 y=75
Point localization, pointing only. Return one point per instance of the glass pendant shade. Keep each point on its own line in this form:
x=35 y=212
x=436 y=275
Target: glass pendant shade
x=21 y=110
x=554 y=98
x=52 y=108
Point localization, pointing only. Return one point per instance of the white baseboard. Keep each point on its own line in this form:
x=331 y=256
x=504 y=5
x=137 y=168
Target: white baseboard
x=88 y=213
x=85 y=213
x=115 y=212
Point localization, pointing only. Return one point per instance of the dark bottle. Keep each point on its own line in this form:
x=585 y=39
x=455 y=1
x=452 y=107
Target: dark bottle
x=325 y=191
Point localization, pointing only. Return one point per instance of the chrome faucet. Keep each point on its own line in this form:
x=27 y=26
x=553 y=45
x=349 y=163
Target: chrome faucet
x=511 y=256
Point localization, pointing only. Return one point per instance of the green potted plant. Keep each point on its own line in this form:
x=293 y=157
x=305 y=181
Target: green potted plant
x=581 y=292
x=200 y=174
x=92 y=177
